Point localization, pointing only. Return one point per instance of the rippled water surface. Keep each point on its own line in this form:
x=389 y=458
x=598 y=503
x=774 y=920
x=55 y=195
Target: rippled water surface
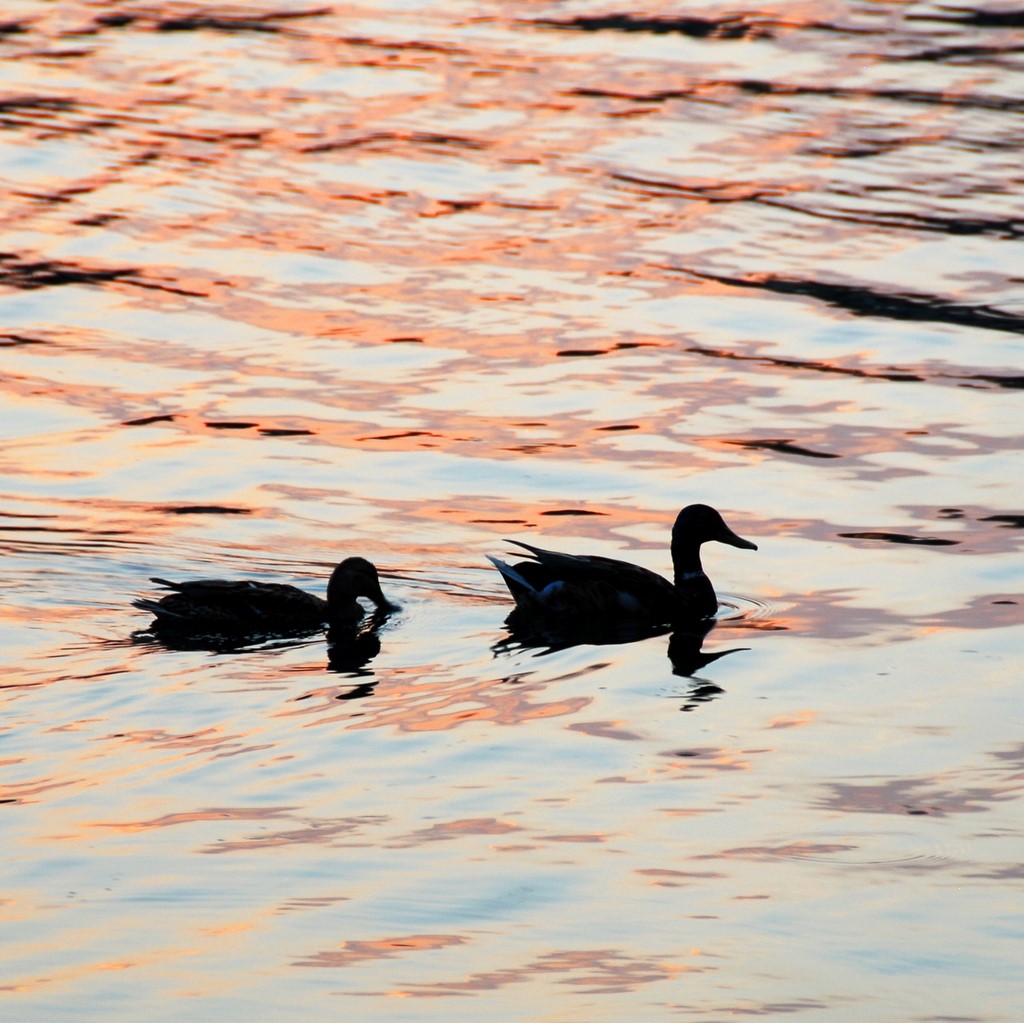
x=282 y=284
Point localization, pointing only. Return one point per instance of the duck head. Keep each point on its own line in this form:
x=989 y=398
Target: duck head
x=698 y=523
x=355 y=577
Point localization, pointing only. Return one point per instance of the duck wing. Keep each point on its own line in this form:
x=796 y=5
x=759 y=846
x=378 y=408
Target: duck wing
x=238 y=603
x=652 y=591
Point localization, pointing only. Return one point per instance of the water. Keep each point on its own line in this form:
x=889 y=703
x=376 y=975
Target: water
x=285 y=284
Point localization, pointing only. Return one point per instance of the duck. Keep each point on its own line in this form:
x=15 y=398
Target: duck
x=247 y=606
x=586 y=590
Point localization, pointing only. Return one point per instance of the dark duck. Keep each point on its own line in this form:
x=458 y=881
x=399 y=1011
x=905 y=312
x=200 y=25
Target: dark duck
x=247 y=606
x=585 y=589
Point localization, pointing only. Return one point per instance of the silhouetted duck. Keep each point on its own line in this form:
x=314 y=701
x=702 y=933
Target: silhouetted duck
x=246 y=606
x=582 y=589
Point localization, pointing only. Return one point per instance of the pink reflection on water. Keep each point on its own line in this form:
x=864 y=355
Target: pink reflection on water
x=442 y=705
x=352 y=952
x=600 y=971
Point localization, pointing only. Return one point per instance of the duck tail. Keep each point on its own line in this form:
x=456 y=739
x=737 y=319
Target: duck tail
x=517 y=585
x=154 y=608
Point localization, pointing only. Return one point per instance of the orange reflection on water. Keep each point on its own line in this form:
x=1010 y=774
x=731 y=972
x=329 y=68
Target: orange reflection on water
x=836 y=614
x=195 y=816
x=798 y=720
x=414 y=706
x=349 y=953
x=661 y=877
x=57 y=977
x=456 y=829
x=562 y=523
x=700 y=760
x=213 y=742
x=315 y=831
x=308 y=830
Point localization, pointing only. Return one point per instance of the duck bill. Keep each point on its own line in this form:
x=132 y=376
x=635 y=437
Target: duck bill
x=376 y=594
x=729 y=537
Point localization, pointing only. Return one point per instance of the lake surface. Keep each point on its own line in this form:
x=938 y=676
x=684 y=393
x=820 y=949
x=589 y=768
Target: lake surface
x=284 y=284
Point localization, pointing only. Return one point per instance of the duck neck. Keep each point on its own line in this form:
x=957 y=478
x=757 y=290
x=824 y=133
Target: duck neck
x=342 y=606
x=693 y=588
x=686 y=564
x=345 y=616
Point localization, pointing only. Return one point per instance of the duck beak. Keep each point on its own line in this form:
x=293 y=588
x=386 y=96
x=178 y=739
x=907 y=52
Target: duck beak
x=729 y=537
x=376 y=594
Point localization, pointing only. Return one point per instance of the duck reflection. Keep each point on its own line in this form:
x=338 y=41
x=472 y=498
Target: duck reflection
x=351 y=647
x=687 y=655
x=686 y=651
x=216 y=642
